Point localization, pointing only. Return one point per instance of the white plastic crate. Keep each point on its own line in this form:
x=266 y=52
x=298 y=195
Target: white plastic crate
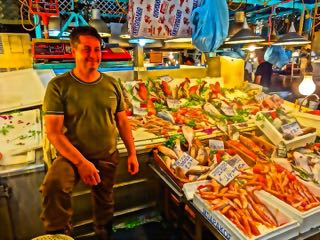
x=229 y=231
x=276 y=137
x=307 y=220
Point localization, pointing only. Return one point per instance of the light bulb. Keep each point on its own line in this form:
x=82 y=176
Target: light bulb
x=142 y=42
x=251 y=48
x=307 y=86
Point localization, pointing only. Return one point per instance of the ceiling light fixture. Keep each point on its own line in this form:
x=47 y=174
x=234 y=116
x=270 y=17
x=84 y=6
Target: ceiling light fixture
x=245 y=35
x=99 y=24
x=292 y=38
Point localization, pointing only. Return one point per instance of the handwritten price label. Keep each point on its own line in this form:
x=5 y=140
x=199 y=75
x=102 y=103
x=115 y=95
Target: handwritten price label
x=166 y=78
x=227 y=110
x=173 y=103
x=224 y=173
x=237 y=162
x=260 y=97
x=185 y=162
x=216 y=144
x=291 y=128
x=139 y=111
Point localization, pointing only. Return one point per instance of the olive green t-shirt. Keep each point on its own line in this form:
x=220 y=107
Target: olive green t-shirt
x=89 y=112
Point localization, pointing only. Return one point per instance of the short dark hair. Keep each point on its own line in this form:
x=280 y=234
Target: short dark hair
x=83 y=31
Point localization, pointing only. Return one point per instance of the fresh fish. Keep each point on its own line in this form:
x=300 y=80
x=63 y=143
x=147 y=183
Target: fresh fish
x=168 y=161
x=202 y=156
x=197 y=170
x=167 y=152
x=188 y=134
x=233 y=132
x=316 y=172
x=165 y=115
x=193 y=151
x=302 y=161
x=177 y=148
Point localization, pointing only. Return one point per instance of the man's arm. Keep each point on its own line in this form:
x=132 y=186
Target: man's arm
x=126 y=135
x=54 y=129
x=257 y=79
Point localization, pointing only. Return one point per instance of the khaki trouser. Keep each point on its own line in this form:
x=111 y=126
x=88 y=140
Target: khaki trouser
x=57 y=188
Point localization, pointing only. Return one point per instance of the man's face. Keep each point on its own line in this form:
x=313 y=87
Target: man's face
x=87 y=53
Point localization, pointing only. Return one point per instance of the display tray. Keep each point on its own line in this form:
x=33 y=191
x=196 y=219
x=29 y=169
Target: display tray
x=20 y=132
x=276 y=137
x=179 y=181
x=307 y=220
x=230 y=231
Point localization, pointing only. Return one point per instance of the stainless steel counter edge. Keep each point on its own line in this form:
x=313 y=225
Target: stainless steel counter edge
x=14 y=170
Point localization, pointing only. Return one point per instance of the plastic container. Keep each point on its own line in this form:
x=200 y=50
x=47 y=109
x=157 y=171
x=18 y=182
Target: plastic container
x=230 y=231
x=307 y=220
x=276 y=137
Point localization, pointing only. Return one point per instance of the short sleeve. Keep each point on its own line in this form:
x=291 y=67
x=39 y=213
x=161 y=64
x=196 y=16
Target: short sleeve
x=53 y=103
x=120 y=103
x=259 y=70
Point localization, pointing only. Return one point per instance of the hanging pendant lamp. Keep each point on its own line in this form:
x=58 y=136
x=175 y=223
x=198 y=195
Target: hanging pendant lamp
x=99 y=24
x=124 y=31
x=292 y=38
x=245 y=35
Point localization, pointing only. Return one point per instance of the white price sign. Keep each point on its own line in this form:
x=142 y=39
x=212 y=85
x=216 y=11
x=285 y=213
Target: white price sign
x=173 y=103
x=224 y=173
x=216 y=144
x=237 y=162
x=166 y=78
x=260 y=97
x=227 y=110
x=139 y=111
x=291 y=128
x=185 y=162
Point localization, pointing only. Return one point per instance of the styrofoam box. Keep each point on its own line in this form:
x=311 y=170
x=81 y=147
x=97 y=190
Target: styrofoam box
x=189 y=189
x=229 y=231
x=276 y=137
x=307 y=220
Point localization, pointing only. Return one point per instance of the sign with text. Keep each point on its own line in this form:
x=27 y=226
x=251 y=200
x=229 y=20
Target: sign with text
x=227 y=110
x=173 y=103
x=185 y=162
x=139 y=111
x=260 y=97
x=237 y=162
x=216 y=144
x=291 y=128
x=224 y=173
x=166 y=78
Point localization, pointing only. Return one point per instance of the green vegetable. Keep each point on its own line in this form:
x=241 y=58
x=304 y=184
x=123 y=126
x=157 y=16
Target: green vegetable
x=191 y=123
x=171 y=141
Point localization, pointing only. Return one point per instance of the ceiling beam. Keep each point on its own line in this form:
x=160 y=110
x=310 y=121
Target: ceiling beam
x=297 y=5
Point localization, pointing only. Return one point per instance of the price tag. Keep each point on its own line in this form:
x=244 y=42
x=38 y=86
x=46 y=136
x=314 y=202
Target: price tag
x=237 y=162
x=291 y=128
x=166 y=78
x=139 y=111
x=185 y=162
x=227 y=110
x=224 y=173
x=173 y=103
x=282 y=150
x=260 y=97
x=216 y=144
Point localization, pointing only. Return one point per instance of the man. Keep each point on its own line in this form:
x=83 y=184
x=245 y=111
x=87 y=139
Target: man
x=83 y=109
x=263 y=72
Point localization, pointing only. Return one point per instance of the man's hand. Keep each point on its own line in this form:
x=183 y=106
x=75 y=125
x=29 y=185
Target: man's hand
x=88 y=173
x=133 y=165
